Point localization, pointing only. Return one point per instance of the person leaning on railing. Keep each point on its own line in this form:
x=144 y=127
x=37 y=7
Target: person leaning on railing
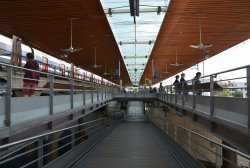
x=31 y=78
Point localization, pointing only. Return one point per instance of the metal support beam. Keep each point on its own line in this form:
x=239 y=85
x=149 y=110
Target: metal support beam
x=131 y=7
x=136 y=42
x=142 y=10
x=7 y=120
x=133 y=56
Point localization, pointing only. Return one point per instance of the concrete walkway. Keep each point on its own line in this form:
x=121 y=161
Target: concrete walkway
x=131 y=145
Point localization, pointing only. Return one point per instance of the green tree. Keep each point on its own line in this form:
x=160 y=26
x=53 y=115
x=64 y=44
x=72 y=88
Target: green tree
x=224 y=93
x=238 y=93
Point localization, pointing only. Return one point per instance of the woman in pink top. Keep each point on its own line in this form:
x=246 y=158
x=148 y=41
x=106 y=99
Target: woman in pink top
x=31 y=78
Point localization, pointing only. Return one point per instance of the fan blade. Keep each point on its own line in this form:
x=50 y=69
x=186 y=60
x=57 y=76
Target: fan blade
x=71 y=50
x=96 y=66
x=166 y=72
x=176 y=64
x=208 y=45
x=198 y=46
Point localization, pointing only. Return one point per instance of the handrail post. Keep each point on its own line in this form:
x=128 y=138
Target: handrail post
x=171 y=93
x=92 y=93
x=182 y=97
x=176 y=94
x=248 y=97
x=7 y=120
x=167 y=94
x=97 y=92
x=102 y=91
x=40 y=152
x=194 y=97
x=84 y=94
x=71 y=93
x=51 y=94
x=105 y=89
x=211 y=98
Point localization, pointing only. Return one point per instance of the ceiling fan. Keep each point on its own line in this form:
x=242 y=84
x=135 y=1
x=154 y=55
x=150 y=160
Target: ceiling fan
x=71 y=49
x=166 y=72
x=95 y=65
x=200 y=45
x=176 y=62
x=206 y=54
x=105 y=73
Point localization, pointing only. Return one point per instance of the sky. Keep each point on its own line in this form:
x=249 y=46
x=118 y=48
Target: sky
x=237 y=56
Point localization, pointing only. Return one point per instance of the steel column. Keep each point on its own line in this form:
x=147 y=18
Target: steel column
x=7 y=120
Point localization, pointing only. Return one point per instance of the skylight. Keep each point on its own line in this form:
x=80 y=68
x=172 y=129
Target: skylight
x=135 y=36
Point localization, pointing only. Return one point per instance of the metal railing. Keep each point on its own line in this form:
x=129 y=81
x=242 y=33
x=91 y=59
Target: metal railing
x=207 y=151
x=57 y=94
x=214 y=100
x=41 y=149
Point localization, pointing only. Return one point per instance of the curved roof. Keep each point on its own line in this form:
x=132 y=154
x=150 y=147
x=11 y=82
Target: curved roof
x=44 y=24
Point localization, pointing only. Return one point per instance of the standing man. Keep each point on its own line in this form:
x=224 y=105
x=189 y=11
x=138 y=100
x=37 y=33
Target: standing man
x=160 y=88
x=31 y=78
x=183 y=83
x=177 y=84
x=196 y=81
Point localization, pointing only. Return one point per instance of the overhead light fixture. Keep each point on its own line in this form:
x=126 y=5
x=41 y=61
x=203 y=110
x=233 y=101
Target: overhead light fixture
x=95 y=65
x=200 y=45
x=71 y=49
x=176 y=61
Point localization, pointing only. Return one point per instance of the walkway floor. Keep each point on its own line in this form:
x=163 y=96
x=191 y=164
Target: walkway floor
x=131 y=145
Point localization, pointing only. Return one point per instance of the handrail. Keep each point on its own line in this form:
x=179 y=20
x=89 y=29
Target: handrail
x=46 y=134
x=221 y=72
x=210 y=140
x=51 y=74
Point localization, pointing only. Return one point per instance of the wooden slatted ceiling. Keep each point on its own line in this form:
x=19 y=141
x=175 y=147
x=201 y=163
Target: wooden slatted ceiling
x=43 y=24
x=225 y=24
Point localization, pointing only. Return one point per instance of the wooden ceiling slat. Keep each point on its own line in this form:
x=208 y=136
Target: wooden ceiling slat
x=225 y=24
x=44 y=23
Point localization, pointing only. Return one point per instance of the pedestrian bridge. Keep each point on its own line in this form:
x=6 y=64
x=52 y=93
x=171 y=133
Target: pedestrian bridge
x=28 y=120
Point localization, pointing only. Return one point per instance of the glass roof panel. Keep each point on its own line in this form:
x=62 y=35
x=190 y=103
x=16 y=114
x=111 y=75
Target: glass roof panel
x=135 y=35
